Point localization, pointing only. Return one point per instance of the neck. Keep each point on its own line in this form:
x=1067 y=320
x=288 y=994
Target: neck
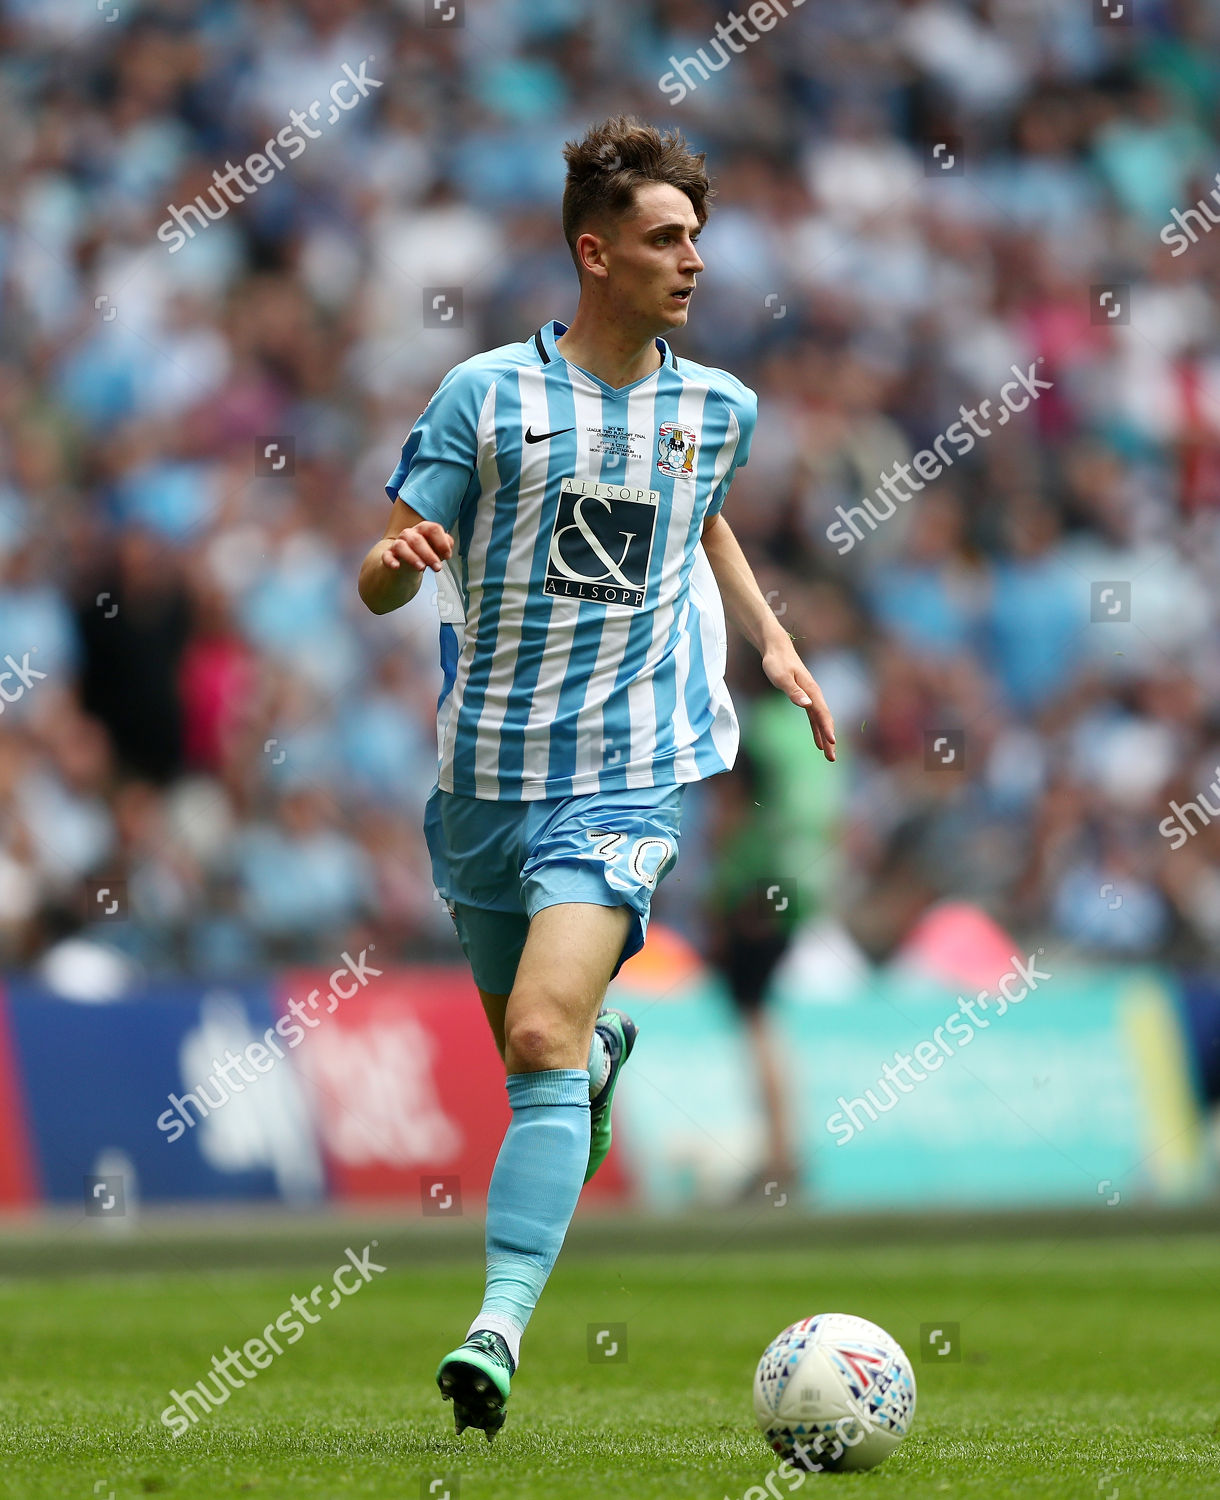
x=603 y=347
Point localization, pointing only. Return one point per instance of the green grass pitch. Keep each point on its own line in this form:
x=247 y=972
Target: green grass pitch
x=1088 y=1369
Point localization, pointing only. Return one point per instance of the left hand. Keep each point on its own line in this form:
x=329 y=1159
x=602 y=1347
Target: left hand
x=786 y=671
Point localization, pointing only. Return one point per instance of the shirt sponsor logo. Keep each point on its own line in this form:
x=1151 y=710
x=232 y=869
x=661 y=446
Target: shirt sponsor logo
x=601 y=542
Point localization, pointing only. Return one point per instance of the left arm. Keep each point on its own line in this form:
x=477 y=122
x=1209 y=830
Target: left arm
x=756 y=620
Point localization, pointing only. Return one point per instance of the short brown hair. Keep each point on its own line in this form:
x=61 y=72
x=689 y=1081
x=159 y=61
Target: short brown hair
x=614 y=159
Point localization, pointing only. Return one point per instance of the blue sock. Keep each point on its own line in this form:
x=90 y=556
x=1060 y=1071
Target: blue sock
x=537 y=1180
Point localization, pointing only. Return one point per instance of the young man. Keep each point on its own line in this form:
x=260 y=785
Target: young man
x=567 y=492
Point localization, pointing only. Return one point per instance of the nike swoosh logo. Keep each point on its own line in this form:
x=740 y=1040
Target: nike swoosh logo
x=540 y=437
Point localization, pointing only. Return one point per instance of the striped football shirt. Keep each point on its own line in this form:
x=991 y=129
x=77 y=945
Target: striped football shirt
x=582 y=633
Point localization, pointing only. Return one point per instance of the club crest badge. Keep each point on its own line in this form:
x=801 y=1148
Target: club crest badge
x=676 y=450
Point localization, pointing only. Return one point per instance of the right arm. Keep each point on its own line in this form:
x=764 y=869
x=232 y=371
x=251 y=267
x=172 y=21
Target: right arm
x=393 y=568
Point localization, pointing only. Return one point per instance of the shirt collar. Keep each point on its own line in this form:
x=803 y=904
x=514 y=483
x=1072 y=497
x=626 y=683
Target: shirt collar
x=545 y=340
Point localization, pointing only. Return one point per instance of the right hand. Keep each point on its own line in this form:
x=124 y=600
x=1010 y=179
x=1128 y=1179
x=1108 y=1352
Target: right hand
x=426 y=545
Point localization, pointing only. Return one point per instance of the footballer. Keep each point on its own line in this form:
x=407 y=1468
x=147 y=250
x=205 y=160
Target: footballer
x=567 y=492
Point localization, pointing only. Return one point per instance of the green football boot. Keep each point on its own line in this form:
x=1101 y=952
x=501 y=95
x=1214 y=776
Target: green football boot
x=476 y=1379
x=619 y=1033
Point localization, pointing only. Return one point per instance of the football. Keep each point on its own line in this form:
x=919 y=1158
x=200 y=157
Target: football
x=834 y=1392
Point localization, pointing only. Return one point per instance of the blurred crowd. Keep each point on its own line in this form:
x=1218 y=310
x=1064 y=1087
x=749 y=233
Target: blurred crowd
x=213 y=757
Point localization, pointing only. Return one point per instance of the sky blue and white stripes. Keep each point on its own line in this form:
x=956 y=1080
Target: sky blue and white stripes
x=552 y=694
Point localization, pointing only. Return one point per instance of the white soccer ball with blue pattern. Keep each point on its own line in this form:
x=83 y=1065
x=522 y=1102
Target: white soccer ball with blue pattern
x=834 y=1392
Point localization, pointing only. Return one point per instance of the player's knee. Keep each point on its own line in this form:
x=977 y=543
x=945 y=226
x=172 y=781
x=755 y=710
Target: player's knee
x=538 y=1037
x=532 y=1044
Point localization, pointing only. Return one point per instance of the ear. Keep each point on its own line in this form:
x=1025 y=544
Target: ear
x=591 y=255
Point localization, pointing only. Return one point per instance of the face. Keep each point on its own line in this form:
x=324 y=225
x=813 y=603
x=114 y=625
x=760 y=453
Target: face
x=648 y=262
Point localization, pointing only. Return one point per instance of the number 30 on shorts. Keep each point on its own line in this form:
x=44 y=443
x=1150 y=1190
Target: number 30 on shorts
x=645 y=859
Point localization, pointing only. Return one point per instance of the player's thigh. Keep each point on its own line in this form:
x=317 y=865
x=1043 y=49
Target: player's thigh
x=568 y=960
x=608 y=850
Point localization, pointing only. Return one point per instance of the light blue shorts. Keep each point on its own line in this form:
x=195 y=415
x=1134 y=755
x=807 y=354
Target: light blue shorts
x=498 y=863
